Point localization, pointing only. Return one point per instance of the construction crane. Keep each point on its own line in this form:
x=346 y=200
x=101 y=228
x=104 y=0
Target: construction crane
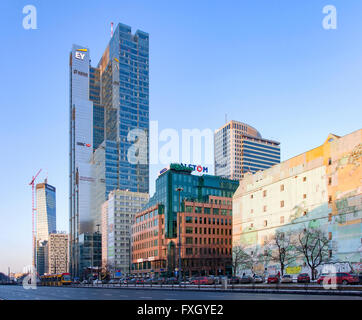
x=32 y=184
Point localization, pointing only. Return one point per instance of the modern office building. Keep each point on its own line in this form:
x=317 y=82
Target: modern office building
x=320 y=188
x=58 y=253
x=109 y=129
x=90 y=253
x=118 y=215
x=240 y=148
x=45 y=223
x=155 y=233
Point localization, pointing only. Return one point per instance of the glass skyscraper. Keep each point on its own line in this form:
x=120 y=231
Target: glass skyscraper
x=109 y=128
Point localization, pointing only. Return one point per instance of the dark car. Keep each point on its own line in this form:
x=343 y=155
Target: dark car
x=303 y=278
x=259 y=279
x=273 y=278
x=200 y=280
x=234 y=280
x=246 y=279
x=339 y=278
x=140 y=281
x=172 y=280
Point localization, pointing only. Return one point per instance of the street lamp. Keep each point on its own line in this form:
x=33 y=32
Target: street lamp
x=179 y=190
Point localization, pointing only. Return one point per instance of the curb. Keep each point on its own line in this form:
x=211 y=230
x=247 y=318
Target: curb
x=280 y=291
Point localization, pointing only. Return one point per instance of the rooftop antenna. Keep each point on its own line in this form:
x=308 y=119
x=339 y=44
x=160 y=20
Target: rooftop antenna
x=111 y=29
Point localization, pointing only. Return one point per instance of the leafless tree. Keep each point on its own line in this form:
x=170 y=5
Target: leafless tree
x=312 y=243
x=283 y=251
x=240 y=259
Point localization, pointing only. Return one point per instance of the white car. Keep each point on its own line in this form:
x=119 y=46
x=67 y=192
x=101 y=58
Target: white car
x=97 y=281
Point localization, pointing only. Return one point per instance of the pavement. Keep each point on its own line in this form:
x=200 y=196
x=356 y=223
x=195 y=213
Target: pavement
x=71 y=293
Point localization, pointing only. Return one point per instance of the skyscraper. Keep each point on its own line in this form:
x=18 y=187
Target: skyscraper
x=109 y=128
x=46 y=222
x=240 y=148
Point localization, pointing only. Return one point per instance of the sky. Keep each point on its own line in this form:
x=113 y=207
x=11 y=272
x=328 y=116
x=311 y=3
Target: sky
x=269 y=64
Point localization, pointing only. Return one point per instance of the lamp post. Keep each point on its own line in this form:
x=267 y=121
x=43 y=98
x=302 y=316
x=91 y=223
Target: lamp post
x=179 y=189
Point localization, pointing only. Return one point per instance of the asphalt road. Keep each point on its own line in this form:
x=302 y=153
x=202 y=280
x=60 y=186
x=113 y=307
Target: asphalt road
x=67 y=293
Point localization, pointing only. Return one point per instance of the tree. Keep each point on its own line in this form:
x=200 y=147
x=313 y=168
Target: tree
x=241 y=259
x=312 y=243
x=284 y=251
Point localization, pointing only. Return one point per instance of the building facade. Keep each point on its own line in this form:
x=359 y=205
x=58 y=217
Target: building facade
x=240 y=148
x=58 y=253
x=90 y=253
x=109 y=129
x=155 y=233
x=321 y=188
x=118 y=215
x=46 y=223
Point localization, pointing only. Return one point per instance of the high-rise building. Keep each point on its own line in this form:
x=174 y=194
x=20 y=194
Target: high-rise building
x=240 y=148
x=109 y=128
x=46 y=211
x=318 y=189
x=46 y=223
x=118 y=215
x=58 y=253
x=162 y=210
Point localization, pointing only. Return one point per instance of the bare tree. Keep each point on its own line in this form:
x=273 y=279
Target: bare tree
x=312 y=243
x=283 y=251
x=241 y=259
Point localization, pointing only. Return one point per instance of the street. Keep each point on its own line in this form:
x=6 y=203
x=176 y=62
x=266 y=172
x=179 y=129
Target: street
x=69 y=293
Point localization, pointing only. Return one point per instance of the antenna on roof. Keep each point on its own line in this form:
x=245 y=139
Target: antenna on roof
x=226 y=118
x=111 y=29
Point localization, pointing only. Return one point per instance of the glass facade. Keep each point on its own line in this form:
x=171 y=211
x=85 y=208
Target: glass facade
x=46 y=211
x=195 y=188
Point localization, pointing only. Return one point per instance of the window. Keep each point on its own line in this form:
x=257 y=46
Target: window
x=282 y=187
x=264 y=208
x=188 y=230
x=329 y=199
x=265 y=223
x=329 y=161
x=188 y=251
x=282 y=219
x=304 y=196
x=189 y=240
x=305 y=213
x=216 y=211
x=252 y=211
x=252 y=196
x=330 y=181
x=264 y=193
x=304 y=179
x=188 y=219
x=282 y=204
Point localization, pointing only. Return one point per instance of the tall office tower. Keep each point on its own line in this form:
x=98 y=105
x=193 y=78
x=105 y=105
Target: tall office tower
x=81 y=146
x=118 y=215
x=58 y=253
x=46 y=222
x=239 y=148
x=109 y=128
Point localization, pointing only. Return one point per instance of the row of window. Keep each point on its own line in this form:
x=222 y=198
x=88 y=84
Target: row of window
x=217 y=231
x=207 y=221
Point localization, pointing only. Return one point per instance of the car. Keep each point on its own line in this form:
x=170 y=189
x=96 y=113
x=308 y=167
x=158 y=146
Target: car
x=259 y=279
x=140 y=281
x=303 y=278
x=200 y=280
x=113 y=281
x=339 y=278
x=210 y=280
x=234 y=280
x=97 y=281
x=172 y=280
x=286 y=279
x=273 y=278
x=246 y=279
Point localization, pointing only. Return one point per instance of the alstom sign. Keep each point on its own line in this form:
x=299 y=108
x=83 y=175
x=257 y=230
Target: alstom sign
x=188 y=167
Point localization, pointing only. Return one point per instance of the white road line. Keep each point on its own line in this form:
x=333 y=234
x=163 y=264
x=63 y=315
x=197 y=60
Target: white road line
x=145 y=297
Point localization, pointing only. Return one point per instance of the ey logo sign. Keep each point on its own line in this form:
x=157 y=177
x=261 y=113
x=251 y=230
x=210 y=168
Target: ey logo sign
x=79 y=54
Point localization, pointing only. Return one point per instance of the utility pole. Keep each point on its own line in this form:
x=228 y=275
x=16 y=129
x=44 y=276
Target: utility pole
x=179 y=190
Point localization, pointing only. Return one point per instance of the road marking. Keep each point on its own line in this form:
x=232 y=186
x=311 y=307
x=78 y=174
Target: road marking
x=145 y=297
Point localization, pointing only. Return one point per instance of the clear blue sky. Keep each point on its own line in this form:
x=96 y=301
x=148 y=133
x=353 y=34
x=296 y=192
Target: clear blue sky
x=267 y=63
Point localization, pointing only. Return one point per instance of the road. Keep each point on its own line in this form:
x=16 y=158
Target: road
x=68 y=293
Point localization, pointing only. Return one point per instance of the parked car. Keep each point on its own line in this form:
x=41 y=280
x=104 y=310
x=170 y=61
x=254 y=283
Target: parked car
x=339 y=278
x=234 y=280
x=303 y=277
x=210 y=280
x=200 y=280
x=172 y=280
x=113 y=281
x=140 y=281
x=246 y=279
x=286 y=279
x=97 y=281
x=76 y=281
x=259 y=279
x=273 y=278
